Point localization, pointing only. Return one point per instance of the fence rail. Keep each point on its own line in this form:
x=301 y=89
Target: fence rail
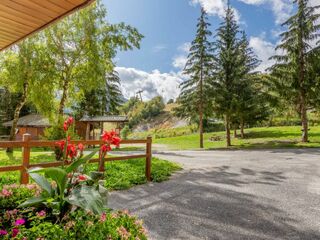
x=26 y=144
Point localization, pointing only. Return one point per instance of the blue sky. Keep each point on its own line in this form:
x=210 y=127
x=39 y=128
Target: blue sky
x=168 y=27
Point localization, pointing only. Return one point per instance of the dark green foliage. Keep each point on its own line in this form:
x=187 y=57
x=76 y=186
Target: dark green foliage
x=101 y=101
x=251 y=104
x=291 y=73
x=170 y=101
x=230 y=68
x=125 y=174
x=193 y=99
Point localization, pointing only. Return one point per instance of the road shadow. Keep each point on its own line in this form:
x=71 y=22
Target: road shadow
x=200 y=205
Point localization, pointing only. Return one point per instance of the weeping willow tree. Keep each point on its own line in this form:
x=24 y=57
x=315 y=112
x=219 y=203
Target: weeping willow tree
x=292 y=68
x=24 y=71
x=82 y=48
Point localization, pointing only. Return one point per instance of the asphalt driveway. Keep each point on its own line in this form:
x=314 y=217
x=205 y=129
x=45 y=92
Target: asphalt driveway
x=258 y=194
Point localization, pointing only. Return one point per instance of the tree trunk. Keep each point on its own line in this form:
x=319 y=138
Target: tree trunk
x=304 y=120
x=201 y=108
x=242 y=128
x=64 y=96
x=302 y=68
x=201 y=129
x=17 y=113
x=227 y=122
x=235 y=132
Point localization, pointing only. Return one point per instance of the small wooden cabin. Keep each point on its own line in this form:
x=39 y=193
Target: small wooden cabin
x=90 y=128
x=34 y=124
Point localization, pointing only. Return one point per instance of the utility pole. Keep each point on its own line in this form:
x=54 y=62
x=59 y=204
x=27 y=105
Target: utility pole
x=139 y=94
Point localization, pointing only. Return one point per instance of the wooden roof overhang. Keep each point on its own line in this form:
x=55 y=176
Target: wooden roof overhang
x=21 y=18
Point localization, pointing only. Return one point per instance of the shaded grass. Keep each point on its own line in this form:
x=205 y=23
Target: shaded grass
x=266 y=137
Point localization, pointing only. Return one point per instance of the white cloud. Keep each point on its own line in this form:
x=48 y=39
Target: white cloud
x=152 y=83
x=282 y=9
x=264 y=50
x=159 y=48
x=179 y=61
x=215 y=7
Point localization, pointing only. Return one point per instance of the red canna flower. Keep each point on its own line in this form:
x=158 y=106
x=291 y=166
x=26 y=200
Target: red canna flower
x=105 y=148
x=65 y=126
x=106 y=136
x=116 y=141
x=60 y=144
x=82 y=178
x=70 y=120
x=67 y=123
x=71 y=151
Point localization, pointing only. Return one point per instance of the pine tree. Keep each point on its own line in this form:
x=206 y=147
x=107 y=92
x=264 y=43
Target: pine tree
x=193 y=99
x=228 y=70
x=113 y=98
x=291 y=68
x=101 y=101
x=250 y=105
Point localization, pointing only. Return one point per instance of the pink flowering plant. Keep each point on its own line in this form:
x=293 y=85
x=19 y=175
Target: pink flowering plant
x=68 y=187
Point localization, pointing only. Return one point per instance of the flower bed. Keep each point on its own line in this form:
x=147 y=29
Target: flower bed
x=66 y=203
x=41 y=223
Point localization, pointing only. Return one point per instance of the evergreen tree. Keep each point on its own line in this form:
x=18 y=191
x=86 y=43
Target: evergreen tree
x=251 y=105
x=291 y=68
x=228 y=70
x=101 y=101
x=113 y=97
x=193 y=99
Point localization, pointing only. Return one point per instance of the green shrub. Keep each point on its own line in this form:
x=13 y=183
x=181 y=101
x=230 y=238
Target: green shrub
x=13 y=195
x=125 y=132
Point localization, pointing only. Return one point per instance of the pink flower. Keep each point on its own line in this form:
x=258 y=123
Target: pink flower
x=15 y=232
x=42 y=213
x=3 y=232
x=20 y=221
x=80 y=147
x=103 y=217
x=122 y=231
x=6 y=193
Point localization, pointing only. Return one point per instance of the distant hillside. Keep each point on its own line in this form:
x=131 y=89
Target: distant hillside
x=162 y=121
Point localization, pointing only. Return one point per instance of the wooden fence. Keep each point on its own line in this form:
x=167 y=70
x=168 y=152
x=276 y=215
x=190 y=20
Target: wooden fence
x=26 y=144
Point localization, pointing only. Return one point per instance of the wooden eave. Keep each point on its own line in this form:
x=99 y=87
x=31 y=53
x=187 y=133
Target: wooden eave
x=22 y=18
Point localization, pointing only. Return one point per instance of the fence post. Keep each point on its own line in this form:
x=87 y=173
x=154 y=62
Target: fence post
x=148 y=158
x=24 y=176
x=101 y=167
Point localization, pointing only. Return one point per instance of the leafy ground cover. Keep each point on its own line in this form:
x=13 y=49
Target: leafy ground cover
x=265 y=137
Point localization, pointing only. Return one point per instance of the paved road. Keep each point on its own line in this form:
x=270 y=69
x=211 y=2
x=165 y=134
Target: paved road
x=260 y=194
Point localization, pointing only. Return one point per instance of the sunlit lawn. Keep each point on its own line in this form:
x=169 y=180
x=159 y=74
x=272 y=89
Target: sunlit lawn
x=119 y=174
x=272 y=137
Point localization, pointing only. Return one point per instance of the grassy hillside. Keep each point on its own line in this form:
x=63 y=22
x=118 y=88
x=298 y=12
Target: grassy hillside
x=266 y=137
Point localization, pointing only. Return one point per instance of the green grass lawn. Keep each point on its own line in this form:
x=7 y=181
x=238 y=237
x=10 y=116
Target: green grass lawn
x=119 y=174
x=272 y=137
